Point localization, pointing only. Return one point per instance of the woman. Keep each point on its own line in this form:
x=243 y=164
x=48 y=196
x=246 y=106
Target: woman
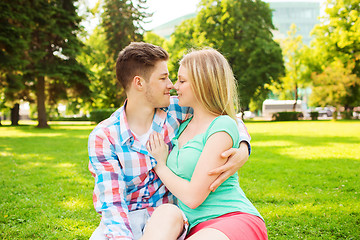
x=205 y=83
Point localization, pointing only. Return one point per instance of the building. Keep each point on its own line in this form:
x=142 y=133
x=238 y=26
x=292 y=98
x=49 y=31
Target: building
x=302 y=13
x=305 y=15
x=271 y=106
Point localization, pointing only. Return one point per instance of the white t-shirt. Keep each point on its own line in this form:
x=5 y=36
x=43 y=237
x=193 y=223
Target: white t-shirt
x=145 y=137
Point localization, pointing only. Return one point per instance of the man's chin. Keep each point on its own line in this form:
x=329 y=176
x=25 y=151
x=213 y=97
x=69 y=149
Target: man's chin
x=164 y=104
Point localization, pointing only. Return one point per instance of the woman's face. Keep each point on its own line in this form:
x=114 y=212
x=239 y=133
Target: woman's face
x=183 y=88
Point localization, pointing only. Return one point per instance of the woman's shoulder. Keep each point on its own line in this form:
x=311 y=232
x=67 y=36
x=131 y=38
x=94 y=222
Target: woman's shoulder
x=223 y=123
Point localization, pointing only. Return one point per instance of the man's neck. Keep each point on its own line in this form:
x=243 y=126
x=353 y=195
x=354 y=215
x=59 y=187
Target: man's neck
x=139 y=116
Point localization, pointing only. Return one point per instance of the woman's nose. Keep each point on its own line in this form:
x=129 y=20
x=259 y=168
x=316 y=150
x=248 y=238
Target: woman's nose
x=176 y=85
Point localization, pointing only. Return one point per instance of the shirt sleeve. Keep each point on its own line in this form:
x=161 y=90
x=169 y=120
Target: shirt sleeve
x=224 y=124
x=180 y=113
x=109 y=195
x=244 y=134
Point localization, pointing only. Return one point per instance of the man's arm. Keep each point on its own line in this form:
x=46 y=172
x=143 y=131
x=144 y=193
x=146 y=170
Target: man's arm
x=109 y=193
x=236 y=158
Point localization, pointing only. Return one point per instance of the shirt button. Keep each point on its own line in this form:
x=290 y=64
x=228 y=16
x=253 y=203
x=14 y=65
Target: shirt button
x=123 y=215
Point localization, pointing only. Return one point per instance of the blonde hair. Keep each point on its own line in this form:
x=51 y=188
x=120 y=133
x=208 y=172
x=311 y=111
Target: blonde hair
x=212 y=81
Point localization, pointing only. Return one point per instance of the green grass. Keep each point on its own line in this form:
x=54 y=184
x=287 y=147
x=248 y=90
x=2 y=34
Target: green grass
x=46 y=189
x=302 y=176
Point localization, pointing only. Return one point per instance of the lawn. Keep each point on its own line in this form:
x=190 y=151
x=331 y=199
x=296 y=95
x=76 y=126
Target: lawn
x=302 y=176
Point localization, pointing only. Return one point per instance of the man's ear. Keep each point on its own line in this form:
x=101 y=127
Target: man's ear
x=138 y=82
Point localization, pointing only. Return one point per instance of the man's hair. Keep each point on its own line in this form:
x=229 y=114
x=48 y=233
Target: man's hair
x=138 y=59
x=212 y=81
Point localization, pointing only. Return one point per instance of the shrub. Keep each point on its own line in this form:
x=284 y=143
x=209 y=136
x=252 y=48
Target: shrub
x=314 y=115
x=286 y=116
x=346 y=115
x=100 y=114
x=83 y=118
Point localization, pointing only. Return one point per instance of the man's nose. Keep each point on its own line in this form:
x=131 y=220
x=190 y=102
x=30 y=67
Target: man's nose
x=170 y=84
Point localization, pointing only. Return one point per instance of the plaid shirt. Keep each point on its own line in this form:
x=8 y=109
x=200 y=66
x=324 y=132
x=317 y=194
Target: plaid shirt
x=123 y=168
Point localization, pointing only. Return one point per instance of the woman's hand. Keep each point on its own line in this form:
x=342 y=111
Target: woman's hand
x=158 y=149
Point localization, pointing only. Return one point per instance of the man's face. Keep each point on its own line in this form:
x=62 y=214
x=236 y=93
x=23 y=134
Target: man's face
x=158 y=86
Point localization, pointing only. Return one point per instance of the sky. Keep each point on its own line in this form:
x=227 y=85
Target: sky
x=167 y=10
x=163 y=11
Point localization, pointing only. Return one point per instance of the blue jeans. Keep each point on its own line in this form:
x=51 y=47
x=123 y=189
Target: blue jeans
x=137 y=219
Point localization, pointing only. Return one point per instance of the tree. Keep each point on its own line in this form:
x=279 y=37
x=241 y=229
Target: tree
x=295 y=77
x=121 y=21
x=337 y=38
x=51 y=70
x=14 y=41
x=120 y=24
x=333 y=85
x=241 y=30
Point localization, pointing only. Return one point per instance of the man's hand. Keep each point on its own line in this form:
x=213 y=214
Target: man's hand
x=236 y=158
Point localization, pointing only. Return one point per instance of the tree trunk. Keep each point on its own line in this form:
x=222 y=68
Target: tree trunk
x=15 y=115
x=296 y=97
x=40 y=96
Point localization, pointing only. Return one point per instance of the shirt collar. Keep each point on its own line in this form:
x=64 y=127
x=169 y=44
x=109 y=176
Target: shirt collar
x=125 y=132
x=126 y=136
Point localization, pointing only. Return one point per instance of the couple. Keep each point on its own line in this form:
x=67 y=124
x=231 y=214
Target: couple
x=129 y=159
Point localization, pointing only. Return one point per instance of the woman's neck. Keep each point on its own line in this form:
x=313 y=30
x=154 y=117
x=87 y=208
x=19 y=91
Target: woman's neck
x=202 y=116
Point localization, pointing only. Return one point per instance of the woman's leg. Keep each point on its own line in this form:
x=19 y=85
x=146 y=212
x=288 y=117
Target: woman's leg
x=166 y=223
x=207 y=234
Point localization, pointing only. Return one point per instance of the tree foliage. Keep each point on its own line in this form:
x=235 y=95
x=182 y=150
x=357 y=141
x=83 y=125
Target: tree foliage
x=333 y=85
x=153 y=38
x=105 y=90
x=241 y=30
x=337 y=38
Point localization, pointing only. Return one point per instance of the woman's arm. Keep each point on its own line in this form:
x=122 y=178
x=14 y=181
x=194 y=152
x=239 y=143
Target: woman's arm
x=233 y=159
x=195 y=192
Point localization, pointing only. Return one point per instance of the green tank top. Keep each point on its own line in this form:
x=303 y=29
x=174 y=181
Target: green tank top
x=228 y=197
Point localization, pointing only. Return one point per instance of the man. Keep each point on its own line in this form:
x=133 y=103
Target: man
x=126 y=187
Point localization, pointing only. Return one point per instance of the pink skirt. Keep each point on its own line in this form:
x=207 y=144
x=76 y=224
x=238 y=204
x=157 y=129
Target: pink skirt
x=236 y=226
